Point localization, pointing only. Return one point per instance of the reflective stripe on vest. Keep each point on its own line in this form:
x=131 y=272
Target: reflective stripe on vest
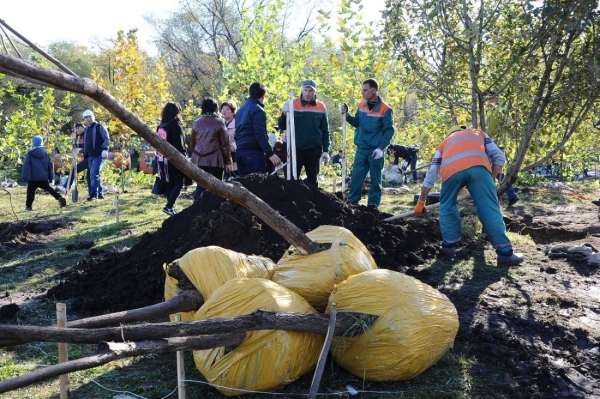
x=298 y=107
x=462 y=150
x=364 y=107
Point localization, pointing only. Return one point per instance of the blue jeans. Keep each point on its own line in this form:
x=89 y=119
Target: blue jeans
x=413 y=166
x=95 y=164
x=250 y=162
x=363 y=164
x=480 y=183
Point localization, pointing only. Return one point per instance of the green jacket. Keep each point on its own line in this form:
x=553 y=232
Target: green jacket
x=311 y=125
x=375 y=127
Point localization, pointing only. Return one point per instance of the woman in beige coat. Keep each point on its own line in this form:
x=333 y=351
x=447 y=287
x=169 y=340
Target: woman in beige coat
x=210 y=143
x=228 y=109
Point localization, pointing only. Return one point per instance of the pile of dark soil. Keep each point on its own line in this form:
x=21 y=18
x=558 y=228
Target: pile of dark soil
x=31 y=234
x=122 y=281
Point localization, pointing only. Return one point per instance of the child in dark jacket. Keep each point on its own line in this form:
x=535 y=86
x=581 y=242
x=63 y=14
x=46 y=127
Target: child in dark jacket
x=37 y=170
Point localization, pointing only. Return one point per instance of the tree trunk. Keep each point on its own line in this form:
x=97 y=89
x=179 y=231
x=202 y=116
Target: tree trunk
x=346 y=323
x=235 y=192
x=109 y=351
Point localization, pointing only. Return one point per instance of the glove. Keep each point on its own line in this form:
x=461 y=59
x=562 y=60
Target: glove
x=404 y=165
x=377 y=153
x=275 y=160
x=286 y=108
x=325 y=158
x=344 y=108
x=420 y=208
x=104 y=154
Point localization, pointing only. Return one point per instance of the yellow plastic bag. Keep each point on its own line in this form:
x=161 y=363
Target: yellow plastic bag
x=266 y=359
x=314 y=276
x=208 y=268
x=416 y=326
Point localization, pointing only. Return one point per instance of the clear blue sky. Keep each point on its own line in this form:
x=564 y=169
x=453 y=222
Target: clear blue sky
x=85 y=22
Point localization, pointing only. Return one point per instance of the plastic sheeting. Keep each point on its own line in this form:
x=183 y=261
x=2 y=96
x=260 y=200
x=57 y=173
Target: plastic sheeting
x=416 y=326
x=314 y=276
x=208 y=268
x=266 y=359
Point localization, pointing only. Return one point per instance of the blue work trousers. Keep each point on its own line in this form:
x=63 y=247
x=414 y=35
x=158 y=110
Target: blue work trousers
x=365 y=163
x=480 y=183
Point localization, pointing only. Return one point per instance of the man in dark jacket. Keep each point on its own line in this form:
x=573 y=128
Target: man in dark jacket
x=38 y=171
x=409 y=154
x=95 y=149
x=82 y=165
x=311 y=128
x=251 y=134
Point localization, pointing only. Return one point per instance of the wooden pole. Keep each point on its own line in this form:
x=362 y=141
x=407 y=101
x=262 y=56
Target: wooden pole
x=180 y=368
x=63 y=351
x=344 y=166
x=292 y=135
x=428 y=207
x=314 y=387
x=110 y=351
x=259 y=320
x=117 y=207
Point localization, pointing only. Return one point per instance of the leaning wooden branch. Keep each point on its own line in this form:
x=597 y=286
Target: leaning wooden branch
x=235 y=192
x=110 y=351
x=261 y=320
x=185 y=302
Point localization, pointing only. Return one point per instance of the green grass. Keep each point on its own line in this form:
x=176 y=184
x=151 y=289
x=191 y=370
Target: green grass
x=461 y=373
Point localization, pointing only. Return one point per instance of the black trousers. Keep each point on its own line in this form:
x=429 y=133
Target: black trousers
x=309 y=159
x=34 y=185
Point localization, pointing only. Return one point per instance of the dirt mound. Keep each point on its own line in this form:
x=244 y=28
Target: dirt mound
x=31 y=234
x=135 y=278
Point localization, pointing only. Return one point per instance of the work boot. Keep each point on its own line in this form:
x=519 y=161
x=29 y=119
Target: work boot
x=448 y=252
x=596 y=202
x=514 y=259
x=63 y=202
x=512 y=201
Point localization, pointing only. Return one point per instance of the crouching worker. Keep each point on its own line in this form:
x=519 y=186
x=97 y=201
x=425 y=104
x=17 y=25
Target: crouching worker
x=463 y=160
x=38 y=171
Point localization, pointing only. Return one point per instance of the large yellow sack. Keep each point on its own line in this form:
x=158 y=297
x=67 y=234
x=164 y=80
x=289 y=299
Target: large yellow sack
x=416 y=326
x=208 y=268
x=266 y=359
x=314 y=276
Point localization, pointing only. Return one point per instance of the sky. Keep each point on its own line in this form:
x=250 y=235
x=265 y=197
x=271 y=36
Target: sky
x=89 y=22
x=82 y=21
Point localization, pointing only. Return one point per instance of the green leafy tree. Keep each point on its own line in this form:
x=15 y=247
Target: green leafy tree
x=138 y=82
x=266 y=56
x=538 y=56
x=35 y=113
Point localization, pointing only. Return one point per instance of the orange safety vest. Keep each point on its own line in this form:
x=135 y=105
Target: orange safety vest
x=319 y=107
x=462 y=150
